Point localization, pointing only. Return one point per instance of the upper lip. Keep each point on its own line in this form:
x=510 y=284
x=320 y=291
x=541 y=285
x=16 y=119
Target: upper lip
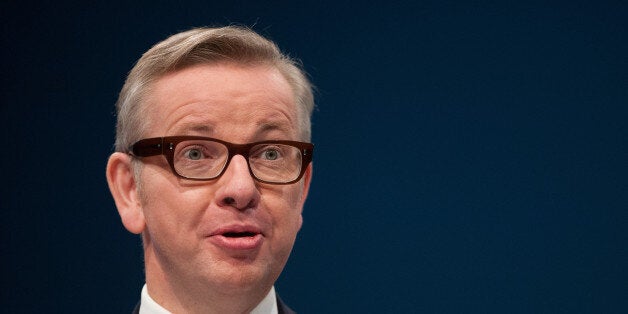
x=235 y=229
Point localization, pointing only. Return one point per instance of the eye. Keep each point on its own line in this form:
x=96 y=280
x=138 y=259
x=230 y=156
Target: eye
x=193 y=154
x=270 y=154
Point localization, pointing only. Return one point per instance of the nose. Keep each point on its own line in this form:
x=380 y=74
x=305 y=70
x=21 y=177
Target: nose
x=237 y=186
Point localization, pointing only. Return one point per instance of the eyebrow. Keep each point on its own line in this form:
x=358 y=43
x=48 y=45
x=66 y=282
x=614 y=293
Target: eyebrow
x=276 y=128
x=266 y=126
x=193 y=127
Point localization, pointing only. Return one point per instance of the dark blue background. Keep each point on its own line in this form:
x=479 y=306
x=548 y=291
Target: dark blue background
x=470 y=158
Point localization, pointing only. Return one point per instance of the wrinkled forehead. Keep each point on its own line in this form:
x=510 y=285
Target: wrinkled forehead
x=207 y=96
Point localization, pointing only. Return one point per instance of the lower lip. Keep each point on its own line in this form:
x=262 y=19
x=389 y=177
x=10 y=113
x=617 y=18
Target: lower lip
x=237 y=243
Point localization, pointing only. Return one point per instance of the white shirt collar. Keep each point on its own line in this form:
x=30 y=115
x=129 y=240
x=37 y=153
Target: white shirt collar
x=267 y=306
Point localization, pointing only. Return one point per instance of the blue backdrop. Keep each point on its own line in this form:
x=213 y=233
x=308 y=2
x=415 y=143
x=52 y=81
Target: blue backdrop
x=470 y=157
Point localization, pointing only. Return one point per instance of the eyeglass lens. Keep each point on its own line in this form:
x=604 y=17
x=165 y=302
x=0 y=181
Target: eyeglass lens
x=204 y=159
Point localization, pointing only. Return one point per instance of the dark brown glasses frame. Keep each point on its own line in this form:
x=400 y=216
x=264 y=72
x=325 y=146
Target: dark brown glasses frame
x=166 y=145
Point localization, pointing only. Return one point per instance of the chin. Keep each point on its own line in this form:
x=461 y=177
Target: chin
x=242 y=275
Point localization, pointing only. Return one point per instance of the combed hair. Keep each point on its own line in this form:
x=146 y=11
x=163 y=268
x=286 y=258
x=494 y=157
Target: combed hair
x=205 y=46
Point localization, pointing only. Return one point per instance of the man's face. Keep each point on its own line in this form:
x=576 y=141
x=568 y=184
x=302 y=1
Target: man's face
x=232 y=232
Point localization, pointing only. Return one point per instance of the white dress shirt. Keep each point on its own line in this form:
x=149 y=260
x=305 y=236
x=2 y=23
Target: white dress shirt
x=267 y=306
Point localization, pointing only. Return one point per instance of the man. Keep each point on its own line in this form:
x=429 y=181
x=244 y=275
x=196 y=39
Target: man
x=212 y=167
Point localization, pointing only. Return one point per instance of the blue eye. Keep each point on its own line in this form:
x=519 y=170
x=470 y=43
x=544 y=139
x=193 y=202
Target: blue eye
x=271 y=154
x=194 y=154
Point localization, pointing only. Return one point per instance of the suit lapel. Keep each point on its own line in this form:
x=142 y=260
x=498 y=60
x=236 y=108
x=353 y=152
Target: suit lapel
x=282 y=308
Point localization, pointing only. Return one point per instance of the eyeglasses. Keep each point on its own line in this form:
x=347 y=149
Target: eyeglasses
x=205 y=158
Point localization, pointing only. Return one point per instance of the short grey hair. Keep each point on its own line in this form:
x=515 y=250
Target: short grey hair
x=235 y=44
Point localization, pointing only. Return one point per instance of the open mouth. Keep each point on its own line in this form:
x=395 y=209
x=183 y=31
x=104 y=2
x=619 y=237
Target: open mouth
x=237 y=237
x=239 y=234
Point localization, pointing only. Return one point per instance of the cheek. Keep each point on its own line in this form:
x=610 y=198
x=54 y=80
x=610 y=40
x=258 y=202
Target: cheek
x=170 y=210
x=285 y=209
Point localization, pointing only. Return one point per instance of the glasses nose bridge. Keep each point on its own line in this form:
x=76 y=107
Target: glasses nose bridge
x=238 y=149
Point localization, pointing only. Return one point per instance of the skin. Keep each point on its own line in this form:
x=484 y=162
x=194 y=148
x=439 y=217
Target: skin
x=187 y=269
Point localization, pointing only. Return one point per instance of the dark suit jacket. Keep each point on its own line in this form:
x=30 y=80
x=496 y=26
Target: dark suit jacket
x=281 y=307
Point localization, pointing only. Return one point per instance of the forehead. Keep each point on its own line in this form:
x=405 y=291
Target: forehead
x=218 y=98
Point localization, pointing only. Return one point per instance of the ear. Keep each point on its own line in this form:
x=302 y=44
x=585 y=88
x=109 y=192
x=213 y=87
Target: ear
x=307 y=178
x=124 y=191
